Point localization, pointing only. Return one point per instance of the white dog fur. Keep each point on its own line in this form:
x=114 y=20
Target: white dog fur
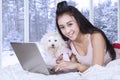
x=54 y=46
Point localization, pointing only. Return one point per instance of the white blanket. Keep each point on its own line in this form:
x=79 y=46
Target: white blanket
x=109 y=72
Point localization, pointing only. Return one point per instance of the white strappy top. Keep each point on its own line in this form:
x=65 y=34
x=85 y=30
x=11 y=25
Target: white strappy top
x=87 y=59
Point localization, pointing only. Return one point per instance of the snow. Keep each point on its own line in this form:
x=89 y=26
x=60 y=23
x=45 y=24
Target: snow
x=9 y=58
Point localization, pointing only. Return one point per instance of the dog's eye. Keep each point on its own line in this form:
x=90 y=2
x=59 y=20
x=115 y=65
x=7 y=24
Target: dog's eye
x=55 y=40
x=49 y=40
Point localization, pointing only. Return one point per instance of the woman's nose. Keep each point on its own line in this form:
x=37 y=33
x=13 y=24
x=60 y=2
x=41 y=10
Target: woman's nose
x=67 y=30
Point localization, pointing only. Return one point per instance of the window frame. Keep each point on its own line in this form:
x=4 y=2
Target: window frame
x=118 y=26
x=0 y=33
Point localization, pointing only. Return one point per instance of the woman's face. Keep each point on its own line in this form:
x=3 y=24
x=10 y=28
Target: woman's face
x=68 y=26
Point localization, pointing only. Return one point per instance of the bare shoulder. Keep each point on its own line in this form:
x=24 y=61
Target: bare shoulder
x=97 y=36
x=97 y=39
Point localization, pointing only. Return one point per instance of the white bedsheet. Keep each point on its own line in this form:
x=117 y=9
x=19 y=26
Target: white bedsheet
x=109 y=72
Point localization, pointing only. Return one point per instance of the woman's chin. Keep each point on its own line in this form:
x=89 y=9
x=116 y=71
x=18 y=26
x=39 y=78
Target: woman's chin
x=72 y=38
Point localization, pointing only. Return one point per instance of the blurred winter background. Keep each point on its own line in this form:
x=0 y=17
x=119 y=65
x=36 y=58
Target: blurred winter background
x=42 y=19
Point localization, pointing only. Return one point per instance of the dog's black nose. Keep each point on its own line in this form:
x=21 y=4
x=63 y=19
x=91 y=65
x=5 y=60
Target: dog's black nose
x=53 y=45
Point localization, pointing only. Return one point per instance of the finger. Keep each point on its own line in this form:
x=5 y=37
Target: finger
x=59 y=59
x=57 y=68
x=61 y=56
x=60 y=62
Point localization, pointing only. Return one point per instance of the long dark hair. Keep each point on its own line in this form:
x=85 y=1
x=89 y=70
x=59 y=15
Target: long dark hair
x=85 y=25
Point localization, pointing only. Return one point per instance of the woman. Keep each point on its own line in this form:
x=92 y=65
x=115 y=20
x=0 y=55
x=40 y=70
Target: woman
x=88 y=43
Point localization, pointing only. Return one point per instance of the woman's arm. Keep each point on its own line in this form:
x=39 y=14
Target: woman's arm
x=81 y=67
x=99 y=46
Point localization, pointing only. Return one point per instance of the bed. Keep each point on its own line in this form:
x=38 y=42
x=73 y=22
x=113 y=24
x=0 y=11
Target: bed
x=109 y=72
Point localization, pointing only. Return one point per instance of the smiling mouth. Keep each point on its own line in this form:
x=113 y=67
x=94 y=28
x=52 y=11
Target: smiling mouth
x=70 y=34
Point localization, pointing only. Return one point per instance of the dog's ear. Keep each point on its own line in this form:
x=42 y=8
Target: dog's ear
x=44 y=37
x=43 y=42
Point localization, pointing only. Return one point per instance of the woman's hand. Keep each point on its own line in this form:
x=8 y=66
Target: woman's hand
x=62 y=65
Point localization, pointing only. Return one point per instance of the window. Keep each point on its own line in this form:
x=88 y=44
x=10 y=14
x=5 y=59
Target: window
x=12 y=26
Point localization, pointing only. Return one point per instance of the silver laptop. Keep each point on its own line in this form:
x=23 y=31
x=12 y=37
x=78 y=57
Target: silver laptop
x=30 y=58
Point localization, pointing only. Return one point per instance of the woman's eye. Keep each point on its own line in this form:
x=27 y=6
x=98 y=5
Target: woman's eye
x=61 y=27
x=70 y=24
x=49 y=40
x=55 y=40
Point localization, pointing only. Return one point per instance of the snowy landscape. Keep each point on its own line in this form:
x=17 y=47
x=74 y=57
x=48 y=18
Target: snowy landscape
x=9 y=58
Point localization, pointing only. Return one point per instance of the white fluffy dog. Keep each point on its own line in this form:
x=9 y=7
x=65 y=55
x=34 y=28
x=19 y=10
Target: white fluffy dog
x=54 y=46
